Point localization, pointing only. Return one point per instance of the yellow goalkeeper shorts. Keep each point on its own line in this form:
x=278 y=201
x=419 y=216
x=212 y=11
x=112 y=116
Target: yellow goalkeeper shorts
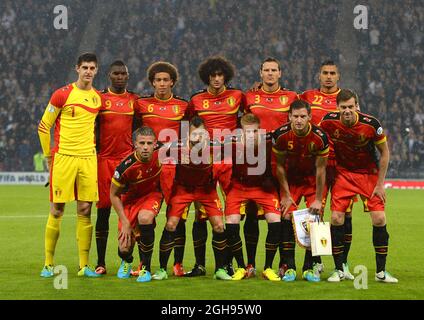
x=73 y=178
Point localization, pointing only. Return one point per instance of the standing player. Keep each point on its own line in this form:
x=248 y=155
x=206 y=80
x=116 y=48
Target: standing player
x=218 y=105
x=258 y=189
x=356 y=136
x=323 y=101
x=163 y=112
x=270 y=103
x=72 y=162
x=302 y=151
x=194 y=181
x=136 y=197
x=115 y=125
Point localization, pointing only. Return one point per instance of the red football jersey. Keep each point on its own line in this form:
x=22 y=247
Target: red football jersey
x=218 y=111
x=355 y=146
x=138 y=178
x=241 y=165
x=300 y=151
x=115 y=124
x=272 y=108
x=321 y=103
x=162 y=114
x=191 y=172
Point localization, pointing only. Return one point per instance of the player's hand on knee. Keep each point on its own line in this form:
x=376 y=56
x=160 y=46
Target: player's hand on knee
x=286 y=203
x=379 y=192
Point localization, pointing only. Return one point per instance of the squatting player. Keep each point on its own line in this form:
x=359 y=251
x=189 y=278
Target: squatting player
x=194 y=181
x=115 y=124
x=136 y=197
x=302 y=151
x=256 y=188
x=356 y=136
x=72 y=161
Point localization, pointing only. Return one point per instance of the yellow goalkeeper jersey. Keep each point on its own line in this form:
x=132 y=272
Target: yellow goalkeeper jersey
x=72 y=112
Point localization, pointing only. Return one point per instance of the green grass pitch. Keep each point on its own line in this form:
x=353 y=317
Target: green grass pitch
x=23 y=214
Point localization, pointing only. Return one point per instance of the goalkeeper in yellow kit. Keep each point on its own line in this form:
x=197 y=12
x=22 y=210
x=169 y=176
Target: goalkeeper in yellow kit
x=72 y=161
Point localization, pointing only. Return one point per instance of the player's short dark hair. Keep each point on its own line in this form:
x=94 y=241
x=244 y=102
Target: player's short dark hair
x=87 y=57
x=143 y=131
x=328 y=63
x=249 y=118
x=271 y=59
x=299 y=104
x=117 y=63
x=162 y=66
x=214 y=65
x=346 y=94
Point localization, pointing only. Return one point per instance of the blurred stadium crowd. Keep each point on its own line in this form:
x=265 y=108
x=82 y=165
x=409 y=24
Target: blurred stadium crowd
x=37 y=59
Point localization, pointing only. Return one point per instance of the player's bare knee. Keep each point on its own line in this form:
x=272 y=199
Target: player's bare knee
x=146 y=217
x=84 y=208
x=378 y=219
x=171 y=225
x=337 y=218
x=218 y=227
x=287 y=217
x=272 y=217
x=57 y=212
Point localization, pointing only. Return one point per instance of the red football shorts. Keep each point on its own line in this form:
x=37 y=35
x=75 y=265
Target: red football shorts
x=349 y=184
x=239 y=196
x=305 y=189
x=105 y=170
x=183 y=197
x=151 y=202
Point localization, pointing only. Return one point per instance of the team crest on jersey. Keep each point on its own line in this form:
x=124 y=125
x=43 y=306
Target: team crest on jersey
x=176 y=109
x=116 y=175
x=231 y=101
x=312 y=147
x=337 y=133
x=379 y=130
x=284 y=100
x=58 y=192
x=362 y=138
